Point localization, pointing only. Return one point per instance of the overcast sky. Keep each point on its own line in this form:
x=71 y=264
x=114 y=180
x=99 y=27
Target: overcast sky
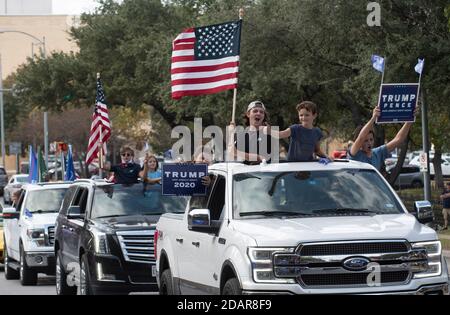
x=73 y=6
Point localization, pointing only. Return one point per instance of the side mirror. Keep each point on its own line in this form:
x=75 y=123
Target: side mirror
x=199 y=220
x=424 y=211
x=10 y=213
x=74 y=213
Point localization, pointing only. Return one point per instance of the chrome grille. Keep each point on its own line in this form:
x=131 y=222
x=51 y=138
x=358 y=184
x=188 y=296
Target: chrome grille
x=321 y=265
x=137 y=246
x=51 y=236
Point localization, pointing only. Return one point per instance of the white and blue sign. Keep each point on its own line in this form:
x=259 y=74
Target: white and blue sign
x=183 y=179
x=397 y=102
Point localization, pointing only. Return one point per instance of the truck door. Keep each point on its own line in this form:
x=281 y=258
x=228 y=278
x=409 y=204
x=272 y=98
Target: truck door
x=72 y=228
x=198 y=270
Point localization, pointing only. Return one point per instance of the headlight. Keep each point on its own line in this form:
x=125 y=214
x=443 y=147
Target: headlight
x=100 y=242
x=262 y=264
x=37 y=236
x=434 y=251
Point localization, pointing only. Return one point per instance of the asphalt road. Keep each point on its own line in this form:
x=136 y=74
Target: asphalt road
x=45 y=286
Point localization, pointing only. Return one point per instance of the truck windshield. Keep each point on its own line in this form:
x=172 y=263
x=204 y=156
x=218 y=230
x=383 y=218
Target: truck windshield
x=125 y=200
x=317 y=193
x=48 y=200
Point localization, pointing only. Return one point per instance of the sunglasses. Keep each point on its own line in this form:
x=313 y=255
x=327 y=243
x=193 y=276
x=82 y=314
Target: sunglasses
x=126 y=154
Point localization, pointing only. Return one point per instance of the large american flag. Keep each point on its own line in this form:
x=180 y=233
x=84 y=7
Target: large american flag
x=100 y=121
x=205 y=60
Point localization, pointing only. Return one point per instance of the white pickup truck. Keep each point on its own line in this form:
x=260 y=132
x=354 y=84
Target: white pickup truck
x=29 y=232
x=299 y=228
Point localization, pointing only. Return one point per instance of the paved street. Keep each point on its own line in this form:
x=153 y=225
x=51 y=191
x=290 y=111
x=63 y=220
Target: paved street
x=45 y=286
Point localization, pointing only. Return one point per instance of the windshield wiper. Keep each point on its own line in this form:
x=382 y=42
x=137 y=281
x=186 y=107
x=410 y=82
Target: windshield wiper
x=274 y=213
x=43 y=211
x=345 y=211
x=111 y=216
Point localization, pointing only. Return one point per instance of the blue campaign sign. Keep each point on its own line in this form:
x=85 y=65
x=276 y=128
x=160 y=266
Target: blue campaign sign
x=183 y=179
x=397 y=102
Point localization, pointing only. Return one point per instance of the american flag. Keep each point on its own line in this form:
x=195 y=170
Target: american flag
x=100 y=121
x=205 y=60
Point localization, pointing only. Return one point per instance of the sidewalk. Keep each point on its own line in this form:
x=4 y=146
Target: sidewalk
x=446 y=253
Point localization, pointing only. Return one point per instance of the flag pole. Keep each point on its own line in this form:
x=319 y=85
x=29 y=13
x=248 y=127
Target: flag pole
x=100 y=145
x=233 y=116
x=384 y=69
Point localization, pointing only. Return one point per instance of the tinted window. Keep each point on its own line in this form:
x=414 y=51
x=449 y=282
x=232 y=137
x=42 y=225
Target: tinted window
x=22 y=179
x=124 y=200
x=48 y=200
x=313 y=193
x=67 y=199
x=2 y=171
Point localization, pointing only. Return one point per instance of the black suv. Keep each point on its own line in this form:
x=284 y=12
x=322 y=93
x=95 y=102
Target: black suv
x=104 y=238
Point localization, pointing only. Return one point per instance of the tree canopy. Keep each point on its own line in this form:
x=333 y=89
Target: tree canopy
x=290 y=51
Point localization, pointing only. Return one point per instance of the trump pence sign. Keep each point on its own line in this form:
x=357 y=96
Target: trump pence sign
x=397 y=102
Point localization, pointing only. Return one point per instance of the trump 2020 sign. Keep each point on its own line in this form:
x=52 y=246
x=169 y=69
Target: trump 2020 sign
x=183 y=179
x=397 y=102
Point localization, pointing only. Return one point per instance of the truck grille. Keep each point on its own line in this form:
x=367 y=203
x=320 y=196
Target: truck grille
x=329 y=265
x=353 y=279
x=353 y=248
x=51 y=236
x=137 y=246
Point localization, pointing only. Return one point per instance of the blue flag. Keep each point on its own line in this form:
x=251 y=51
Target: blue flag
x=378 y=63
x=70 y=169
x=33 y=175
x=419 y=66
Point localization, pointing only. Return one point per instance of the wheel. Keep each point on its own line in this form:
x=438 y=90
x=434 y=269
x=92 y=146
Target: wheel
x=417 y=184
x=62 y=283
x=232 y=287
x=85 y=282
x=166 y=284
x=10 y=273
x=27 y=275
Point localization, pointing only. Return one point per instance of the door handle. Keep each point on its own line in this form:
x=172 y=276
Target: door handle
x=196 y=244
x=180 y=240
x=64 y=227
x=71 y=229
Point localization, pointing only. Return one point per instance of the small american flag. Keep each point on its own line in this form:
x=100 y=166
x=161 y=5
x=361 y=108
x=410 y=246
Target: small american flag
x=100 y=121
x=205 y=60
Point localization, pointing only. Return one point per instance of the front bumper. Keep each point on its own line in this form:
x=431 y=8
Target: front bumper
x=438 y=289
x=110 y=275
x=40 y=259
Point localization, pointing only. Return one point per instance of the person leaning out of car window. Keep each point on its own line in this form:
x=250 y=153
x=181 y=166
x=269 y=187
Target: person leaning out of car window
x=126 y=172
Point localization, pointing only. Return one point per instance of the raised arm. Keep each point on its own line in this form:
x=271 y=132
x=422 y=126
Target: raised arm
x=399 y=138
x=278 y=134
x=364 y=132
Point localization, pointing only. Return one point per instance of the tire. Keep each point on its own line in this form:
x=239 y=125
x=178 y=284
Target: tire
x=232 y=287
x=417 y=184
x=62 y=287
x=28 y=276
x=85 y=281
x=166 y=283
x=10 y=273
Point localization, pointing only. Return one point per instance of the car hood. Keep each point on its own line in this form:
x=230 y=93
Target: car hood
x=42 y=219
x=274 y=232
x=135 y=222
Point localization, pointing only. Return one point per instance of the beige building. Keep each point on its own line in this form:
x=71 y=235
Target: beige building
x=16 y=47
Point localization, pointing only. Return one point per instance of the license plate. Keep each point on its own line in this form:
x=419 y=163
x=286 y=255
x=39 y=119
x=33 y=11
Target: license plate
x=153 y=271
